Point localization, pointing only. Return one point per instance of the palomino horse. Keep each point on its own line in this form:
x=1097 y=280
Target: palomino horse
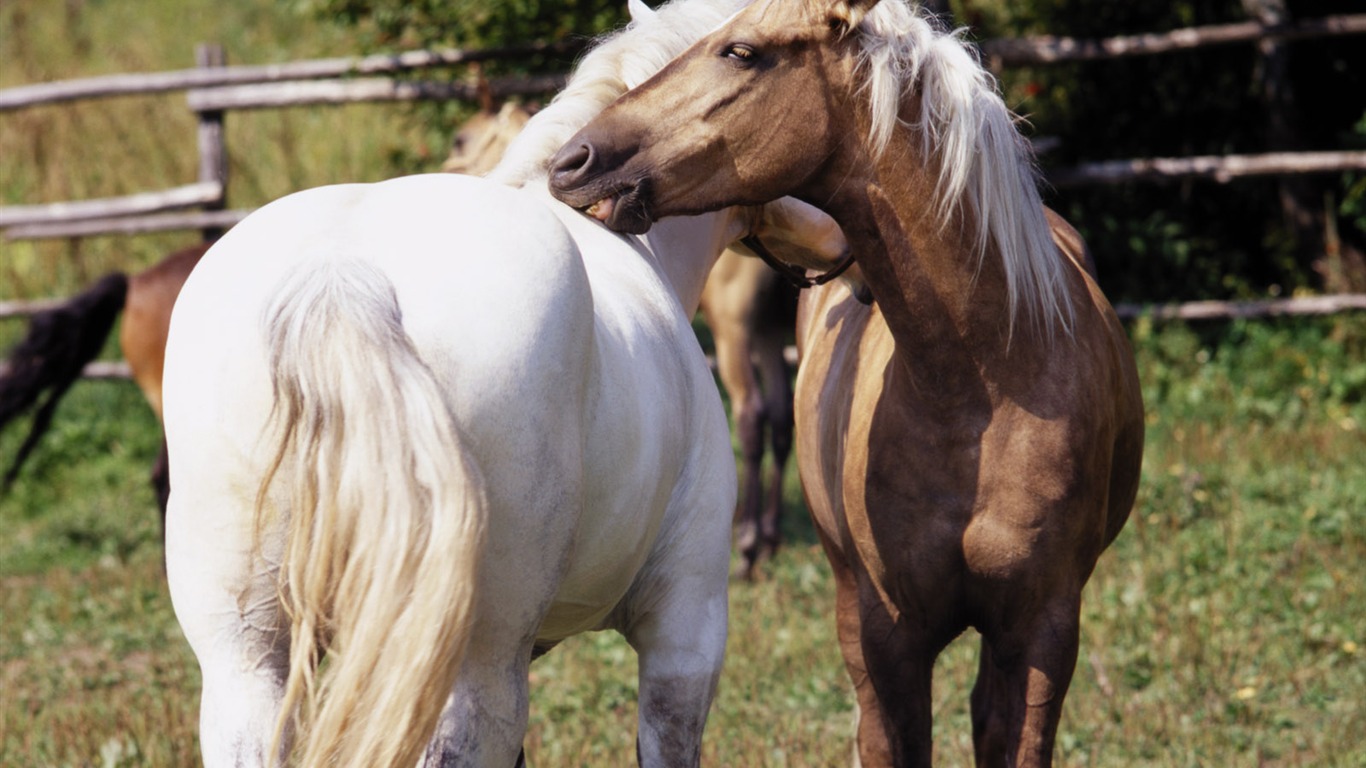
x=433 y=426
x=61 y=340
x=751 y=312
x=970 y=445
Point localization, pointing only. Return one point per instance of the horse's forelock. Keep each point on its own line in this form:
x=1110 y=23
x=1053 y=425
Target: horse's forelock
x=615 y=63
x=967 y=136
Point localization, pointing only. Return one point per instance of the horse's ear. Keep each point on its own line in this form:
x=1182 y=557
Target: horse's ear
x=482 y=89
x=844 y=15
x=639 y=10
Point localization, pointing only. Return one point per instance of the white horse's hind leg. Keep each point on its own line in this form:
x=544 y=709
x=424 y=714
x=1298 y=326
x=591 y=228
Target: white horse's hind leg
x=677 y=614
x=681 y=643
x=233 y=622
x=486 y=717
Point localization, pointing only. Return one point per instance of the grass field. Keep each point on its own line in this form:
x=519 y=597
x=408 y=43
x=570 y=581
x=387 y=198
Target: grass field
x=1224 y=628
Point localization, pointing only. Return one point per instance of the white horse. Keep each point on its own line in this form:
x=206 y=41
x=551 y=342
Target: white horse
x=426 y=429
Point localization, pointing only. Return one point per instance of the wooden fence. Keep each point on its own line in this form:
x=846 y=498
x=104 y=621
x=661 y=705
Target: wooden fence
x=214 y=89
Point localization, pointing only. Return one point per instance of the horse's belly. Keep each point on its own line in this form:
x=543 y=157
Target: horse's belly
x=659 y=471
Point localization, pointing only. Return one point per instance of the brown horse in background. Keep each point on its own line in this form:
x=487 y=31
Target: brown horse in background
x=751 y=312
x=970 y=445
x=61 y=340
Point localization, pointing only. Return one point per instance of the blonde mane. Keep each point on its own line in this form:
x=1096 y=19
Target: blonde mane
x=968 y=137
x=616 y=63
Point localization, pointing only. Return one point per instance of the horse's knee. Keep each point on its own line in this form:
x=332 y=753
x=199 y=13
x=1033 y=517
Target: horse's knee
x=750 y=421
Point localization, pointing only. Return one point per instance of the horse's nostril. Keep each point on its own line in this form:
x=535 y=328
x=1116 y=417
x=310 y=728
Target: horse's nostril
x=572 y=160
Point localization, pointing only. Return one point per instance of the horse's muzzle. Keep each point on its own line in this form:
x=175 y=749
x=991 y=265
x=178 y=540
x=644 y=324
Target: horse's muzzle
x=579 y=179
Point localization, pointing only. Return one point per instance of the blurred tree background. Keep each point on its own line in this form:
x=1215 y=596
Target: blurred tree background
x=1257 y=237
x=399 y=25
x=1199 y=239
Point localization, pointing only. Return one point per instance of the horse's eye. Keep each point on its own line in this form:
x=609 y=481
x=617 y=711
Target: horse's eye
x=740 y=53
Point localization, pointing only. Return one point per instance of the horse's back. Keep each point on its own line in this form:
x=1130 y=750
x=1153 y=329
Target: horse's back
x=456 y=250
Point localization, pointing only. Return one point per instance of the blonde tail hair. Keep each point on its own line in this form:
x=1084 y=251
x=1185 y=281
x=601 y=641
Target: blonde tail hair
x=385 y=523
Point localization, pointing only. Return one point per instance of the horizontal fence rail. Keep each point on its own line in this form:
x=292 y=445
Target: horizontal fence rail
x=100 y=369
x=316 y=69
x=118 y=216
x=1229 y=310
x=375 y=89
x=188 y=196
x=128 y=225
x=1047 y=49
x=1195 y=310
x=1221 y=168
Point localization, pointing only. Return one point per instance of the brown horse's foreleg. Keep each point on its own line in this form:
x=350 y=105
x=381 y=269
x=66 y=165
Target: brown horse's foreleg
x=891 y=674
x=1021 y=683
x=900 y=664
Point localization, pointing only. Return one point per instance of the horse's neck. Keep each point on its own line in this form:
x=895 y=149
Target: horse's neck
x=686 y=248
x=946 y=308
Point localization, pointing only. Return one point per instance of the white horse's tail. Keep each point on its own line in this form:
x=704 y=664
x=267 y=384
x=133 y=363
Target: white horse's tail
x=385 y=523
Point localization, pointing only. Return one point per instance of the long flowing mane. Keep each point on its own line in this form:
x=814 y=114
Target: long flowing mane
x=968 y=137
x=616 y=63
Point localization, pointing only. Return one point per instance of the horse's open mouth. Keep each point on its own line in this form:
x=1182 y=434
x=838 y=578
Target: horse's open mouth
x=622 y=211
x=602 y=209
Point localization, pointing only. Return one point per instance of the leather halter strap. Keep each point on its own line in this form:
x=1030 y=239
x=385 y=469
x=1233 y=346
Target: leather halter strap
x=796 y=275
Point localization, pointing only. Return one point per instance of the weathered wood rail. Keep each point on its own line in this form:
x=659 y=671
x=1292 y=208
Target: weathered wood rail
x=1046 y=49
x=315 y=69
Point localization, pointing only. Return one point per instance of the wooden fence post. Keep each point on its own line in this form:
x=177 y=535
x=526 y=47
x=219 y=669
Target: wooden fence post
x=213 y=153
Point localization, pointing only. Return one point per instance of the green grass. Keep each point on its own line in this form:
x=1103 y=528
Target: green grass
x=1223 y=628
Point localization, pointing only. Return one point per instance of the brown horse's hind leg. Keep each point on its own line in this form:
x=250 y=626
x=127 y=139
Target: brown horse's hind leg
x=774 y=372
x=161 y=483
x=750 y=426
x=1017 y=701
x=747 y=408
